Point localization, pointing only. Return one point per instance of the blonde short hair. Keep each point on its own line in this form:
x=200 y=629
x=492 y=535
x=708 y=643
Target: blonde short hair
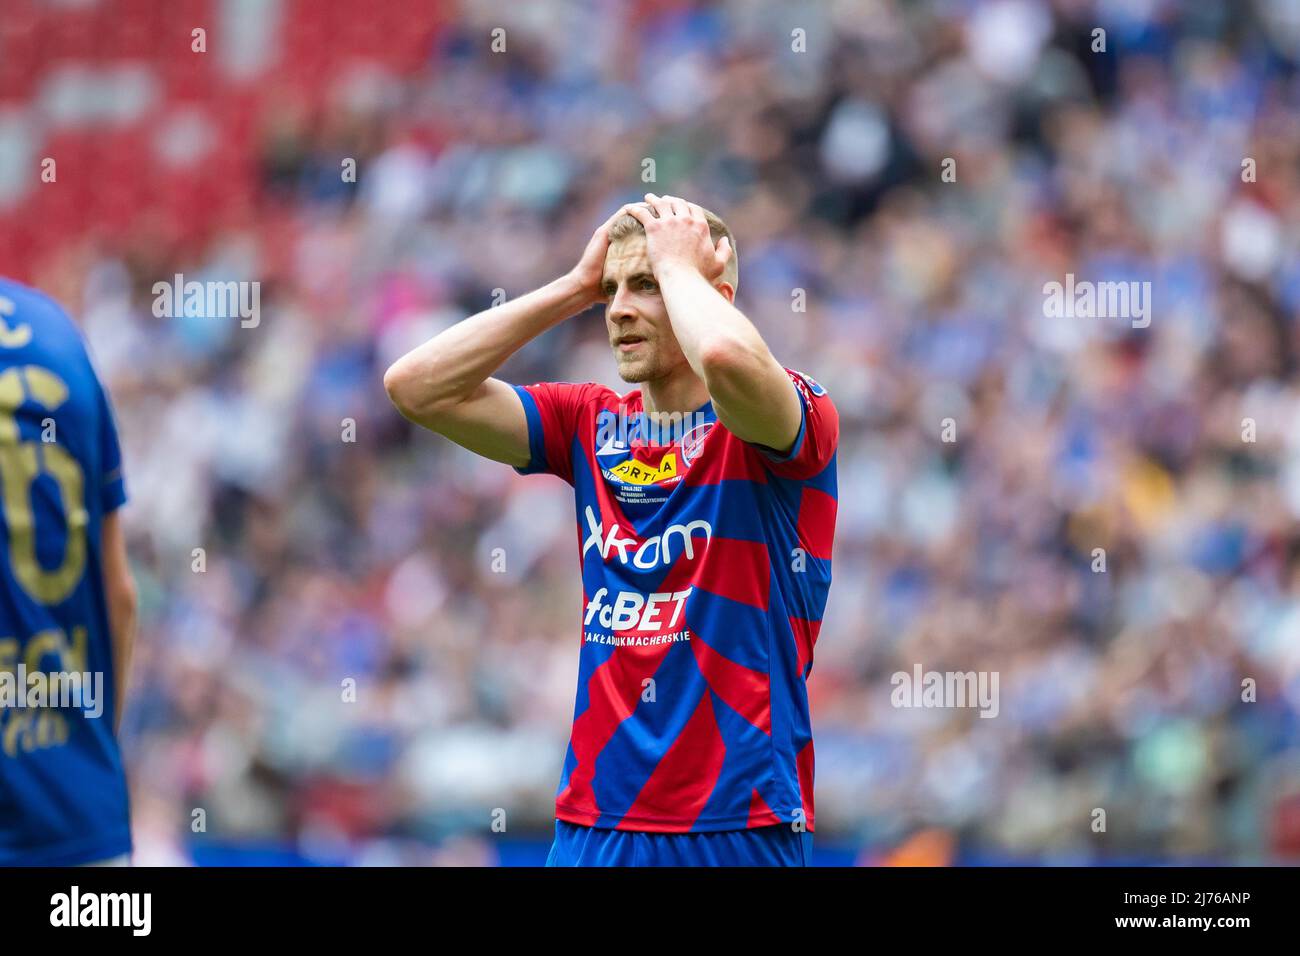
x=625 y=227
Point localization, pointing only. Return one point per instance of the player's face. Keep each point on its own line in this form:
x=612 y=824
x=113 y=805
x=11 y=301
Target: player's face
x=645 y=347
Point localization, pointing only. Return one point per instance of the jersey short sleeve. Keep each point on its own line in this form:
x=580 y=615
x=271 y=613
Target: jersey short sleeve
x=553 y=411
x=818 y=437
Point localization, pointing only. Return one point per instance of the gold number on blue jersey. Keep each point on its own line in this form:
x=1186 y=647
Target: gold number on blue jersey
x=21 y=463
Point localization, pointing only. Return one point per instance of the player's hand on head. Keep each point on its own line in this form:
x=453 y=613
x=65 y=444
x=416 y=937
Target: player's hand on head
x=677 y=234
x=590 y=269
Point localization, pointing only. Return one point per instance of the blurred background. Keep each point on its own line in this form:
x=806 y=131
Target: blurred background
x=476 y=170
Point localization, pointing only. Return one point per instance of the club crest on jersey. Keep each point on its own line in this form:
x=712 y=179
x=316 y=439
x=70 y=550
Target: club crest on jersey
x=693 y=442
x=813 y=385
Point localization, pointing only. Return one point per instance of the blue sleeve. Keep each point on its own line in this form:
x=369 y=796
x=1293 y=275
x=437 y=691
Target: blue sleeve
x=536 y=437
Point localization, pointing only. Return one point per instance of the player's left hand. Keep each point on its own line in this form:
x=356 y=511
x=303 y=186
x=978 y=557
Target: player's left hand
x=677 y=234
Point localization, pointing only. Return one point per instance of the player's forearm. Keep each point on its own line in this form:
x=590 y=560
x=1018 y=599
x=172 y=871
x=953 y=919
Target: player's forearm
x=122 y=622
x=122 y=613
x=719 y=342
x=451 y=365
x=747 y=385
x=120 y=599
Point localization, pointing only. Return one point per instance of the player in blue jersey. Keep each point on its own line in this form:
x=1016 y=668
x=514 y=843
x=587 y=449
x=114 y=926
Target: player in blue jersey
x=67 y=600
x=705 y=507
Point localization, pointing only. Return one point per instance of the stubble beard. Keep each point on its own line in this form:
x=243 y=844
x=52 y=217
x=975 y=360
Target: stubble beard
x=639 y=370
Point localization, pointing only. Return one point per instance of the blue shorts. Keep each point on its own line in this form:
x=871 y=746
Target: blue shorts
x=779 y=845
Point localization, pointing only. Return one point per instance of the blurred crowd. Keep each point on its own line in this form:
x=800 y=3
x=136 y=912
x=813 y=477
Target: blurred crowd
x=329 y=661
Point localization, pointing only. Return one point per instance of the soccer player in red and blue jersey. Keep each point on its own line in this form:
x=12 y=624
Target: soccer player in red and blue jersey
x=67 y=600
x=705 y=507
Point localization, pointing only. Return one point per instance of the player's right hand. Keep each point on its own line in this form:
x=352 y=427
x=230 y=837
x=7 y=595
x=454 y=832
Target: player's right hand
x=590 y=269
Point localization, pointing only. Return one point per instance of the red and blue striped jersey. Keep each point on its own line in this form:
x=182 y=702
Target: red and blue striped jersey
x=706 y=563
